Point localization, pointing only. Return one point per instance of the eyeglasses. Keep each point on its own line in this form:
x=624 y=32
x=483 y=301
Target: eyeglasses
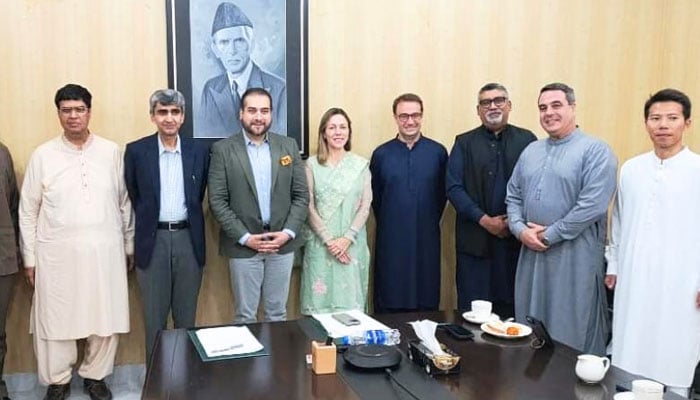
x=497 y=101
x=69 y=110
x=415 y=116
x=164 y=112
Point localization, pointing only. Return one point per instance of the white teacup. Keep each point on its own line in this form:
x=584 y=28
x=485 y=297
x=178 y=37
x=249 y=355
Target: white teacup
x=481 y=309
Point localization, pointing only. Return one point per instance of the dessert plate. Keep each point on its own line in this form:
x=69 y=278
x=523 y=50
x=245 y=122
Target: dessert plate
x=500 y=329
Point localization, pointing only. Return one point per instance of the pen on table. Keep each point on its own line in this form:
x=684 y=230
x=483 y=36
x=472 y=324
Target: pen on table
x=236 y=346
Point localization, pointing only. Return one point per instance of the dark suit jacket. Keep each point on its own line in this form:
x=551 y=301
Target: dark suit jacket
x=234 y=201
x=219 y=116
x=142 y=175
x=9 y=203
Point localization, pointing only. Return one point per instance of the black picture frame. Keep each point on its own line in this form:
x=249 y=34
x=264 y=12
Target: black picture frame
x=181 y=56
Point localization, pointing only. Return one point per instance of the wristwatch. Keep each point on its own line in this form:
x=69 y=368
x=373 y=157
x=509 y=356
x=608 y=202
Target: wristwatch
x=545 y=241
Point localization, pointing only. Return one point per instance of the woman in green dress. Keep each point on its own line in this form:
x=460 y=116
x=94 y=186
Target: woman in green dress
x=336 y=257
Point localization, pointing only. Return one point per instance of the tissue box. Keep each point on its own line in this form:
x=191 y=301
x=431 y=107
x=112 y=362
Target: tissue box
x=431 y=364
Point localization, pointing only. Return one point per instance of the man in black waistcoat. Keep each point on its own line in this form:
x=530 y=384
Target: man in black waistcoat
x=478 y=170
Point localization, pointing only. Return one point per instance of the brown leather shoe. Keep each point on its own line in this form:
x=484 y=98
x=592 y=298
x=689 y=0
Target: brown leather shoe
x=97 y=389
x=58 y=392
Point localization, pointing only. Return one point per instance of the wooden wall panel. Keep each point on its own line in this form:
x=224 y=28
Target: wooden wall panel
x=362 y=54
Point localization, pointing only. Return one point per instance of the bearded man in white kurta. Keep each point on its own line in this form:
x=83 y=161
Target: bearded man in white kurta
x=654 y=256
x=75 y=222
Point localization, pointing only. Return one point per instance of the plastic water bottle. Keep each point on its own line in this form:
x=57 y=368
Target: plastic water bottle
x=386 y=337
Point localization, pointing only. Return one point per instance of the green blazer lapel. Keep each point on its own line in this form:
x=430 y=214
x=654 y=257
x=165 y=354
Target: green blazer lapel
x=239 y=148
x=275 y=156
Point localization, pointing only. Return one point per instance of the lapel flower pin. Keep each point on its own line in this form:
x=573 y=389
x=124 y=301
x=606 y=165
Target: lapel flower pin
x=286 y=160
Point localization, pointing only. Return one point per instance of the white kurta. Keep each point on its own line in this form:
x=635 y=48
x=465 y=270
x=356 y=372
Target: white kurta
x=655 y=253
x=75 y=222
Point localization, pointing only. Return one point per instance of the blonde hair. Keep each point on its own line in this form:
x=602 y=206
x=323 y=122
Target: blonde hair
x=322 y=151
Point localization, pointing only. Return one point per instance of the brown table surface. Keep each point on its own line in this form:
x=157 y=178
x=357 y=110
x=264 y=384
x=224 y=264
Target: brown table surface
x=492 y=369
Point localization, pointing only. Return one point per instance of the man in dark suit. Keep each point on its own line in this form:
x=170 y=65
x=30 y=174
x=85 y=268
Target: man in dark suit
x=9 y=202
x=480 y=164
x=258 y=193
x=166 y=176
x=232 y=43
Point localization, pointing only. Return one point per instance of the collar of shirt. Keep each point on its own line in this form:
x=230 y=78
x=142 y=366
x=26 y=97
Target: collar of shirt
x=242 y=79
x=162 y=149
x=399 y=139
x=72 y=146
x=492 y=135
x=249 y=142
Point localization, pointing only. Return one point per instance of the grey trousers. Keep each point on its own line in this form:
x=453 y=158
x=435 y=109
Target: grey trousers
x=171 y=281
x=266 y=274
x=7 y=283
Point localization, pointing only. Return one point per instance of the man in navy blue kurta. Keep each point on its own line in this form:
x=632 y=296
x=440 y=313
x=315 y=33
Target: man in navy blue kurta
x=408 y=181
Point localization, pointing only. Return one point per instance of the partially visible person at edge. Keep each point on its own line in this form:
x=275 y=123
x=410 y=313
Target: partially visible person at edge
x=654 y=257
x=9 y=249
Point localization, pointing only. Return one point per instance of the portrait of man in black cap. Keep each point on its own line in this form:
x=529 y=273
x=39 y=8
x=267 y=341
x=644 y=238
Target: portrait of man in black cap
x=232 y=43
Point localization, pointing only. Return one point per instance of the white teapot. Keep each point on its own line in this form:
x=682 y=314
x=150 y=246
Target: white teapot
x=591 y=369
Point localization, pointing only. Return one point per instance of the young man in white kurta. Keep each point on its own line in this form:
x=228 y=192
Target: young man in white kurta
x=75 y=222
x=654 y=257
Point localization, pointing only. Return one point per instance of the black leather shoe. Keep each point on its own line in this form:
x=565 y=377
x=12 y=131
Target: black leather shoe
x=58 y=392
x=97 y=389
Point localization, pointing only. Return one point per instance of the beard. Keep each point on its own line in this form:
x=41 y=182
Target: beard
x=494 y=118
x=256 y=129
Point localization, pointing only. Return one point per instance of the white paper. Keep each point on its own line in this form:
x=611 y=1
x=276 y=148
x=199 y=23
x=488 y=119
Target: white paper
x=228 y=340
x=336 y=329
x=425 y=330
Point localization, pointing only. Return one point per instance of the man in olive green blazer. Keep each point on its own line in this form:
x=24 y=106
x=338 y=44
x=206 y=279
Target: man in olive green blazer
x=258 y=193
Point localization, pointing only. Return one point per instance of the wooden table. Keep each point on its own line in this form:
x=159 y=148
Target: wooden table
x=178 y=373
x=492 y=369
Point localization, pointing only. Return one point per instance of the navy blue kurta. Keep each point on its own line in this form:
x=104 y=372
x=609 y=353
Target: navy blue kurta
x=408 y=188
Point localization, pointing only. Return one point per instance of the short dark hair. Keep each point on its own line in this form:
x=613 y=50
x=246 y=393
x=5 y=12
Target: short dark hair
x=407 y=97
x=73 y=92
x=669 y=94
x=568 y=91
x=493 y=86
x=253 y=91
x=167 y=97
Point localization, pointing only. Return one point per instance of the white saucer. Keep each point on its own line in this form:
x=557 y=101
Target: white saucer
x=470 y=317
x=523 y=329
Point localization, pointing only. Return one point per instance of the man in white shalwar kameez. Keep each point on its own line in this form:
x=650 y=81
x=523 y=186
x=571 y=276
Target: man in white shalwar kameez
x=76 y=229
x=654 y=255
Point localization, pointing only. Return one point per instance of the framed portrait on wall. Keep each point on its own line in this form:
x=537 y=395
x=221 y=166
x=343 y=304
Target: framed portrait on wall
x=217 y=49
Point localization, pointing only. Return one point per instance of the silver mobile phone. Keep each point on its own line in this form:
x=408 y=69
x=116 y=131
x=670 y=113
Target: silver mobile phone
x=346 y=319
